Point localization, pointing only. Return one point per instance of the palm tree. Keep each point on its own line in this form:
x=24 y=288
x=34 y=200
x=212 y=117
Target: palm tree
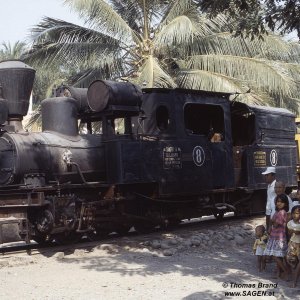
x=12 y=51
x=45 y=78
x=158 y=43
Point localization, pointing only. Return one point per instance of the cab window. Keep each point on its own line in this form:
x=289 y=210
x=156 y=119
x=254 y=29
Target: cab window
x=162 y=118
x=205 y=119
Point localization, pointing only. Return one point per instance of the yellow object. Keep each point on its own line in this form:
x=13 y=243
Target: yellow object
x=297 y=138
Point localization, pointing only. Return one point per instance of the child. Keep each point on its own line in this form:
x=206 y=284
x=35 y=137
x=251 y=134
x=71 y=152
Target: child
x=277 y=243
x=296 y=198
x=293 y=254
x=260 y=246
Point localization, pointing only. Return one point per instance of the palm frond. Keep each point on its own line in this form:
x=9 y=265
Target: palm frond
x=205 y=25
x=176 y=9
x=12 y=51
x=157 y=10
x=293 y=104
x=294 y=52
x=294 y=71
x=133 y=10
x=180 y=30
x=54 y=30
x=102 y=17
x=272 y=47
x=131 y=13
x=264 y=74
x=85 y=77
x=152 y=75
x=210 y=81
x=76 y=55
x=63 y=43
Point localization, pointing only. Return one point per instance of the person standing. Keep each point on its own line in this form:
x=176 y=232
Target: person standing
x=270 y=178
x=296 y=198
x=277 y=243
x=280 y=189
x=260 y=246
x=293 y=253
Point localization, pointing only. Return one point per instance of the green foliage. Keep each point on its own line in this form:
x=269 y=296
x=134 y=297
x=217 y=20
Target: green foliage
x=45 y=78
x=253 y=16
x=183 y=43
x=10 y=51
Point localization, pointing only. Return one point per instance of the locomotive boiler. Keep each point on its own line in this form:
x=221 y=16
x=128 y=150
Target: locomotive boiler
x=178 y=154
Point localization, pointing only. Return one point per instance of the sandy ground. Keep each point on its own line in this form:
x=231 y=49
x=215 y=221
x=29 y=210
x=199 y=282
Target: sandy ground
x=189 y=263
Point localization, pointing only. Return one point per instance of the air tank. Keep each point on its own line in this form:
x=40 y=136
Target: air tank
x=102 y=93
x=79 y=94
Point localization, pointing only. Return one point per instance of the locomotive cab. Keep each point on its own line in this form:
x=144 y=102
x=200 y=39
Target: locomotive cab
x=262 y=137
x=193 y=134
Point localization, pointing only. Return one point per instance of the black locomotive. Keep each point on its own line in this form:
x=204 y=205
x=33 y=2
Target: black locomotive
x=179 y=154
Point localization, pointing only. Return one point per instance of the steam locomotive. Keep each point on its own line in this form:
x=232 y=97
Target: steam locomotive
x=179 y=154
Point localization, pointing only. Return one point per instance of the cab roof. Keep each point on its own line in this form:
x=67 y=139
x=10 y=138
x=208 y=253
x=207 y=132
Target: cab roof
x=187 y=91
x=272 y=110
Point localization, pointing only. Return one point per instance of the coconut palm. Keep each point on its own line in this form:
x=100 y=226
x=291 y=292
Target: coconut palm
x=45 y=81
x=158 y=43
x=45 y=78
x=12 y=51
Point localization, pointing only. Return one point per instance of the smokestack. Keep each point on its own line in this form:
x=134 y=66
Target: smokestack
x=16 y=80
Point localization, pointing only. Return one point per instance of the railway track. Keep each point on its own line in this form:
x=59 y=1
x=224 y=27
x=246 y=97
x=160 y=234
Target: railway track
x=33 y=248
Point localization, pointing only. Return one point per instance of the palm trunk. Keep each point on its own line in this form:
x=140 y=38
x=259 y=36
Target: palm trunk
x=146 y=29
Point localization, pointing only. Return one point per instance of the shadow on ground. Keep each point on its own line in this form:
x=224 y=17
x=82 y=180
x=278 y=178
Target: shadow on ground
x=229 y=266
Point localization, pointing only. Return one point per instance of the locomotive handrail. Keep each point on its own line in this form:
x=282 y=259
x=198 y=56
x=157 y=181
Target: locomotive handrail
x=112 y=110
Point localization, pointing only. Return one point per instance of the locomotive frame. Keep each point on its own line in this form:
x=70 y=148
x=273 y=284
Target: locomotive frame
x=182 y=154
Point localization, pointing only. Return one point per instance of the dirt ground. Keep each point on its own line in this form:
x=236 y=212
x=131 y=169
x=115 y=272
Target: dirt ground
x=202 y=261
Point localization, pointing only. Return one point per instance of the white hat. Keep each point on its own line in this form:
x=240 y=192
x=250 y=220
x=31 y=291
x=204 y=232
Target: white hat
x=269 y=170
